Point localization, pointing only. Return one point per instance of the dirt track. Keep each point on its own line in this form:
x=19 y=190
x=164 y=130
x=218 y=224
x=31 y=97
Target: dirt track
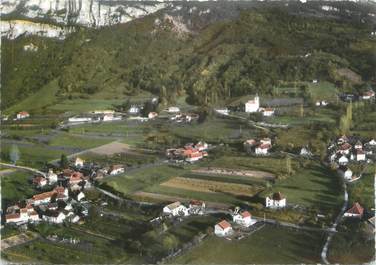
x=233 y=172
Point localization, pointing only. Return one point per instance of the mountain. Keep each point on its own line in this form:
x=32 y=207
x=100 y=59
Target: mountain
x=209 y=50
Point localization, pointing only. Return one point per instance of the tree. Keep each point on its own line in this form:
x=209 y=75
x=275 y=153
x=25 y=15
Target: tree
x=14 y=154
x=63 y=161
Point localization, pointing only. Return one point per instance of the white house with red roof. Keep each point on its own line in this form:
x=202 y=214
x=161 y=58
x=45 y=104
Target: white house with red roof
x=22 y=115
x=43 y=198
x=54 y=217
x=223 y=228
x=196 y=207
x=343 y=160
x=355 y=211
x=277 y=200
x=201 y=146
x=79 y=162
x=252 y=105
x=40 y=181
x=51 y=177
x=267 y=112
x=344 y=149
x=244 y=219
x=368 y=94
x=152 y=115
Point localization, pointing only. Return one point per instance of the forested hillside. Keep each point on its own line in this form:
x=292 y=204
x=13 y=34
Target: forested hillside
x=253 y=53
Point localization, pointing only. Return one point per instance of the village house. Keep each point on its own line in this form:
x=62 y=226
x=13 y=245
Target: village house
x=55 y=217
x=201 y=146
x=368 y=94
x=23 y=215
x=343 y=160
x=244 y=219
x=75 y=178
x=116 y=169
x=275 y=201
x=223 y=228
x=193 y=155
x=343 y=139
x=267 y=112
x=360 y=155
x=344 y=149
x=152 y=115
x=252 y=105
x=249 y=145
x=79 y=162
x=51 y=177
x=346 y=173
x=355 y=211
x=134 y=109
x=372 y=142
x=358 y=145
x=80 y=196
x=262 y=149
x=175 y=209
x=173 y=109
x=196 y=207
x=39 y=181
x=22 y=115
x=43 y=198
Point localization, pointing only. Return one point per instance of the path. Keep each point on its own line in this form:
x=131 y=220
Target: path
x=24 y=168
x=324 y=251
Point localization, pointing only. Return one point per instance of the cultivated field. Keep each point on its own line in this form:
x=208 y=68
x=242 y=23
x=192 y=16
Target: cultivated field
x=233 y=172
x=211 y=186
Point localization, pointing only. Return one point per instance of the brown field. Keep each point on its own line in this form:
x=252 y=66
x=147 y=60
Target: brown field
x=211 y=186
x=234 y=172
x=156 y=197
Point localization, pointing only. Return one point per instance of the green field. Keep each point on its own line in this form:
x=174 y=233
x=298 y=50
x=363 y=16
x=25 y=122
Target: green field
x=362 y=190
x=266 y=246
x=82 y=142
x=16 y=186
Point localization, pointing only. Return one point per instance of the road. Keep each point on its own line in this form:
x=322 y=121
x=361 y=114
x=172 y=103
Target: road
x=24 y=168
x=324 y=252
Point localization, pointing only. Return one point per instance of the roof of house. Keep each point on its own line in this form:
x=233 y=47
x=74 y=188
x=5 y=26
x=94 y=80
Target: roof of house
x=245 y=214
x=59 y=189
x=173 y=205
x=360 y=152
x=23 y=113
x=43 y=195
x=224 y=224
x=356 y=209
x=264 y=146
x=277 y=196
x=345 y=146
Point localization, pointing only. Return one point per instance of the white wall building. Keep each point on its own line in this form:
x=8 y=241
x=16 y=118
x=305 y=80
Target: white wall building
x=275 y=201
x=175 y=209
x=253 y=105
x=244 y=219
x=223 y=228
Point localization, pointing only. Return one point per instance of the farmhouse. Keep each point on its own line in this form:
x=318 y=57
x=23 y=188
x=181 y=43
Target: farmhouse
x=358 y=145
x=368 y=94
x=201 y=146
x=223 y=228
x=252 y=105
x=343 y=160
x=196 y=207
x=43 y=197
x=75 y=178
x=22 y=115
x=79 y=162
x=173 y=109
x=39 y=181
x=244 y=219
x=275 y=201
x=344 y=149
x=355 y=211
x=360 y=155
x=24 y=215
x=175 y=209
x=262 y=149
x=116 y=169
x=346 y=173
x=152 y=115
x=51 y=177
x=267 y=112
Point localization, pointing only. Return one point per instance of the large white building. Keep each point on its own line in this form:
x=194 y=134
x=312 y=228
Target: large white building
x=252 y=105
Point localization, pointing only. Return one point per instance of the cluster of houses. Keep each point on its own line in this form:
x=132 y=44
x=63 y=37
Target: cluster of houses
x=348 y=150
x=240 y=218
x=178 y=209
x=356 y=211
x=366 y=95
x=252 y=106
x=96 y=116
x=65 y=198
x=19 y=116
x=258 y=147
x=184 y=117
x=189 y=153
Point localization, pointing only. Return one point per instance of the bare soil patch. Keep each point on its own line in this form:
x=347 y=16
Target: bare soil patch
x=234 y=172
x=211 y=186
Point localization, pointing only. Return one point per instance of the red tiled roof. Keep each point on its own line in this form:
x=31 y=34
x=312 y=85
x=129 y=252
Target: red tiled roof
x=345 y=146
x=246 y=214
x=224 y=224
x=23 y=210
x=59 y=189
x=356 y=209
x=264 y=146
x=43 y=196
x=360 y=152
x=23 y=113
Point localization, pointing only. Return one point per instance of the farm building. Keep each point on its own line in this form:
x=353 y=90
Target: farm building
x=223 y=228
x=175 y=209
x=116 y=169
x=355 y=211
x=244 y=219
x=22 y=115
x=275 y=201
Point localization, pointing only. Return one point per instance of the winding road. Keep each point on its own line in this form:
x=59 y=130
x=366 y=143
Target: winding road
x=24 y=168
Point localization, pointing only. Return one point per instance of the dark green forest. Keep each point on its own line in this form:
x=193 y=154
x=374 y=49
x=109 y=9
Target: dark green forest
x=253 y=53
